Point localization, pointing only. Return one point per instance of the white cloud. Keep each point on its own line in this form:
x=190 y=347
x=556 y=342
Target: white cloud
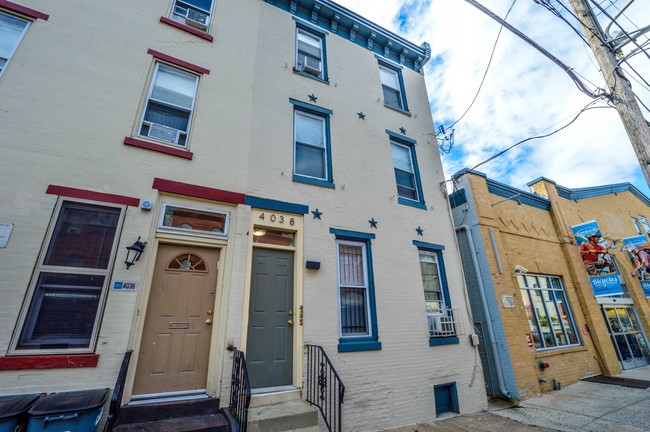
x=524 y=93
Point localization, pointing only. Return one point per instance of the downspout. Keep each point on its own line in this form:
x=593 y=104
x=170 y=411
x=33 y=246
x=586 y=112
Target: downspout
x=486 y=312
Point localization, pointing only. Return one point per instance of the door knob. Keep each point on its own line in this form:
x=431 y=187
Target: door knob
x=290 y=322
x=208 y=322
x=210 y=312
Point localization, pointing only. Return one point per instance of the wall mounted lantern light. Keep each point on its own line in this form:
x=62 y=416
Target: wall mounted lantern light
x=133 y=252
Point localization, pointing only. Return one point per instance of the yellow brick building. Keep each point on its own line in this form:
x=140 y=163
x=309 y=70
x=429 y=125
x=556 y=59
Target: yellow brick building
x=540 y=322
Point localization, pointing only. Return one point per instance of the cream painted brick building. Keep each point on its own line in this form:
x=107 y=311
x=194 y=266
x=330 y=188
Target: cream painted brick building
x=251 y=144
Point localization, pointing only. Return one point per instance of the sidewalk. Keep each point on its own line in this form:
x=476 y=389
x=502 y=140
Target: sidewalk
x=583 y=406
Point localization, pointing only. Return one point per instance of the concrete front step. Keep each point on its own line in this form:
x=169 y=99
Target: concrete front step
x=294 y=415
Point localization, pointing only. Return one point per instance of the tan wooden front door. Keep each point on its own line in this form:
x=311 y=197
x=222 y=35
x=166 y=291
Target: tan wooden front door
x=176 y=336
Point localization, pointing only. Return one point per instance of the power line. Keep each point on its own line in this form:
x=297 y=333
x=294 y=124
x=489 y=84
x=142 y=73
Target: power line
x=622 y=29
x=502 y=152
x=480 y=86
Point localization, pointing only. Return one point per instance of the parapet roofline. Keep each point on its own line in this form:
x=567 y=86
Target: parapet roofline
x=336 y=19
x=594 y=191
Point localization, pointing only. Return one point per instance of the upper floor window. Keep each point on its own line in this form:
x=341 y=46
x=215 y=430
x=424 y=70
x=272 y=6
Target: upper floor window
x=69 y=285
x=635 y=221
x=194 y=13
x=168 y=111
x=12 y=30
x=392 y=85
x=312 y=162
x=310 y=52
x=407 y=177
x=548 y=312
x=644 y=222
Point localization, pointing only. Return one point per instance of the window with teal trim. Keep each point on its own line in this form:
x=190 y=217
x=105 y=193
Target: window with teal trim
x=312 y=156
x=442 y=319
x=407 y=176
x=392 y=85
x=310 y=54
x=357 y=311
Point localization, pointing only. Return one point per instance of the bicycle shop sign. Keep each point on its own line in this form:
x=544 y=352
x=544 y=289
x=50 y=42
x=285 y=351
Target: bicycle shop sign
x=599 y=264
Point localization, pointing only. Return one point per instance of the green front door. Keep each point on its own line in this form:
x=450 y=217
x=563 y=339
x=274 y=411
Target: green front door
x=269 y=348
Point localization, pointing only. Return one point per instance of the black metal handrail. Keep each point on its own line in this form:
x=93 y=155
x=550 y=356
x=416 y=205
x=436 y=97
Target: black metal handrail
x=240 y=390
x=118 y=391
x=324 y=387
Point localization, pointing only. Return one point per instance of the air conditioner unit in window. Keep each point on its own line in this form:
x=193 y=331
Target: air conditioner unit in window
x=441 y=325
x=163 y=133
x=311 y=66
x=196 y=19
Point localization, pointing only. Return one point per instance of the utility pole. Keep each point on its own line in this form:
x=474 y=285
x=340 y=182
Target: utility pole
x=623 y=98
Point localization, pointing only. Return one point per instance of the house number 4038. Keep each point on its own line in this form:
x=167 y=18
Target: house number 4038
x=277 y=218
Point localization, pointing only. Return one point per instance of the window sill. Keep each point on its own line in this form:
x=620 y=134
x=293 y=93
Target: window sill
x=316 y=182
x=362 y=344
x=305 y=74
x=399 y=110
x=148 y=145
x=437 y=341
x=186 y=28
x=48 y=361
x=550 y=352
x=411 y=203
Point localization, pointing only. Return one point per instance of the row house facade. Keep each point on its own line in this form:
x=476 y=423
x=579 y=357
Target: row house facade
x=275 y=165
x=547 y=314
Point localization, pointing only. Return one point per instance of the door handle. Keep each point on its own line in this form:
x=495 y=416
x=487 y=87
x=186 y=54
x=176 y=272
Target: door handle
x=210 y=312
x=290 y=322
x=208 y=322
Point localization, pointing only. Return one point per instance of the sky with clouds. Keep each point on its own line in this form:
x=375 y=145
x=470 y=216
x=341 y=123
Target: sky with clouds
x=524 y=93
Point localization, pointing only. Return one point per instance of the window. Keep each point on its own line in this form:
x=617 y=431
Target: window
x=392 y=85
x=168 y=112
x=71 y=276
x=441 y=318
x=357 y=312
x=310 y=52
x=407 y=177
x=194 y=13
x=312 y=162
x=644 y=222
x=187 y=220
x=548 y=312
x=12 y=30
x=635 y=221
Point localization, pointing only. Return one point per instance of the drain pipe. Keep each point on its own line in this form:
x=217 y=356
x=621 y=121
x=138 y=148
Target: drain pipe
x=486 y=312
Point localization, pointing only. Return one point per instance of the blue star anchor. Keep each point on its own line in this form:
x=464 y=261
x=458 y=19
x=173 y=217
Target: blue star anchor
x=373 y=223
x=419 y=230
x=312 y=97
x=317 y=214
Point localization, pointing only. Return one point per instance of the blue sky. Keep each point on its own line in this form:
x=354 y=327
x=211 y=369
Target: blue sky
x=524 y=93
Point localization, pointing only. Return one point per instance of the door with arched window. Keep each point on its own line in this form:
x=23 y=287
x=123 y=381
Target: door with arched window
x=176 y=337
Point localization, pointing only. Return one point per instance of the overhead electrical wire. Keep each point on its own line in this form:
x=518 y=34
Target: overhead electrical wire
x=502 y=152
x=487 y=68
x=622 y=29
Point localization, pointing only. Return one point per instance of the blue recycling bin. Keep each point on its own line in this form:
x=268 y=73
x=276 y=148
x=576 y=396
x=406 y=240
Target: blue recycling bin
x=13 y=411
x=77 y=411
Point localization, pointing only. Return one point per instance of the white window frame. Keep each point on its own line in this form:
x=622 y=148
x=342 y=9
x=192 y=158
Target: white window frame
x=324 y=149
x=42 y=268
x=637 y=225
x=307 y=36
x=20 y=39
x=400 y=95
x=178 y=17
x=645 y=224
x=413 y=173
x=149 y=98
x=191 y=231
x=366 y=287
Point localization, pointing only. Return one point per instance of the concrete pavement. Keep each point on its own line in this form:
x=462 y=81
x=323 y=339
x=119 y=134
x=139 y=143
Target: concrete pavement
x=583 y=406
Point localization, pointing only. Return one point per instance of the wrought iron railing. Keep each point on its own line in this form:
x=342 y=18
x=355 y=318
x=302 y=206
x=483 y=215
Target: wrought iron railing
x=118 y=391
x=240 y=390
x=324 y=387
x=444 y=323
